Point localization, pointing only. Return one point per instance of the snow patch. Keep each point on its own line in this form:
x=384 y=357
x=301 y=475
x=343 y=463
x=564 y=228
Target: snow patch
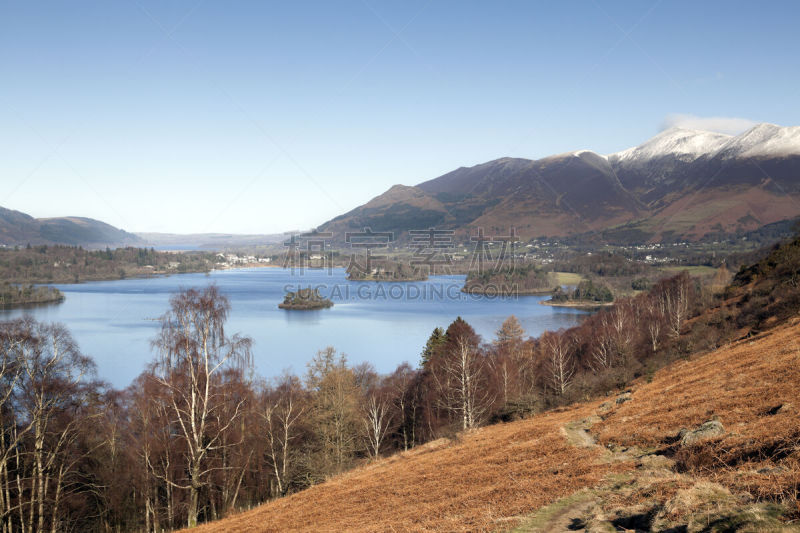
x=764 y=140
x=578 y=153
x=688 y=145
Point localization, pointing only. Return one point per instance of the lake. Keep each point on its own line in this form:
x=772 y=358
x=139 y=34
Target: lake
x=383 y=323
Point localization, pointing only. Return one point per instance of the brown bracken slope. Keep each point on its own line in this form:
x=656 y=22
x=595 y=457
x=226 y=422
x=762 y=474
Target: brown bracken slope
x=494 y=478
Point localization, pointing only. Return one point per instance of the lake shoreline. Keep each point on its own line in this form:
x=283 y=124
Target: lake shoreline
x=387 y=323
x=577 y=304
x=486 y=292
x=31 y=304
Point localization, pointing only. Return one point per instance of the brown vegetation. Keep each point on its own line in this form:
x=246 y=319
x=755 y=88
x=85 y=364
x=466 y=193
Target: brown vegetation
x=485 y=479
x=197 y=437
x=473 y=484
x=751 y=386
x=489 y=478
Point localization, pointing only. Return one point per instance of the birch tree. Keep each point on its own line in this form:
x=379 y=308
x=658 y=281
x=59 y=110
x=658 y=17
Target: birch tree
x=558 y=351
x=461 y=379
x=282 y=409
x=193 y=355
x=675 y=294
x=377 y=419
x=655 y=317
x=52 y=403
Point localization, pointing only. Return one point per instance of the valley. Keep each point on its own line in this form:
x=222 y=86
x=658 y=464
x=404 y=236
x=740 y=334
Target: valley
x=366 y=266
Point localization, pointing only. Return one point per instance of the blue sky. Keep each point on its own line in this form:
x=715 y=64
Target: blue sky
x=254 y=117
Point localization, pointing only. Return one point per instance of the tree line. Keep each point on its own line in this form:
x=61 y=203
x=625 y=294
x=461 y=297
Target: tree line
x=73 y=264
x=13 y=295
x=199 y=435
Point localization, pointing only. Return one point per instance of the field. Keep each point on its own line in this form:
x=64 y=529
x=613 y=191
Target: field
x=616 y=462
x=567 y=278
x=696 y=270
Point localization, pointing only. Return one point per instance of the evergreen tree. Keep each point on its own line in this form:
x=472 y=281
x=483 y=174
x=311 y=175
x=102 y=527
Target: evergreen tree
x=435 y=341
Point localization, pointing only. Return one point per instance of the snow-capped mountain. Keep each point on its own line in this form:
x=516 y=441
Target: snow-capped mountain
x=686 y=145
x=682 y=183
x=763 y=140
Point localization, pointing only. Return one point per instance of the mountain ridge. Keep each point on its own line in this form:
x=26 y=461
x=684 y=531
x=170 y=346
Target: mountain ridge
x=680 y=184
x=18 y=228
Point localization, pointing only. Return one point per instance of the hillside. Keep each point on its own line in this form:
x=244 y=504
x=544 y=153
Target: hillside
x=681 y=184
x=18 y=228
x=626 y=462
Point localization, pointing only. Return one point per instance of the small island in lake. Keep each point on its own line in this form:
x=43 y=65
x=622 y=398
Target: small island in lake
x=586 y=294
x=520 y=280
x=13 y=295
x=305 y=300
x=386 y=271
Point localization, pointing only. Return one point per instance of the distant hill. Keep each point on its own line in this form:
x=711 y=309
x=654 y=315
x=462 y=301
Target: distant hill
x=209 y=241
x=18 y=228
x=681 y=184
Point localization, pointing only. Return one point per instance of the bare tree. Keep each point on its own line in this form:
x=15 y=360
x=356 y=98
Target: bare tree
x=193 y=355
x=143 y=428
x=13 y=335
x=402 y=389
x=334 y=414
x=508 y=363
x=676 y=294
x=282 y=410
x=510 y=335
x=461 y=379
x=620 y=322
x=377 y=419
x=655 y=317
x=602 y=347
x=560 y=360
x=51 y=402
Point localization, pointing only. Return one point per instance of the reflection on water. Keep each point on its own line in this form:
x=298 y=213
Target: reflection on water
x=384 y=323
x=312 y=316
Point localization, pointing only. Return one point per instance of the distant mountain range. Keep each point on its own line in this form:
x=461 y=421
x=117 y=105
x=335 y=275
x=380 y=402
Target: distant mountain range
x=18 y=228
x=210 y=241
x=681 y=184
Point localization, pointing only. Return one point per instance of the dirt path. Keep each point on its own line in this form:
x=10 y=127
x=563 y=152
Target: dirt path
x=574 y=512
x=583 y=511
x=620 y=501
x=577 y=432
x=568 y=514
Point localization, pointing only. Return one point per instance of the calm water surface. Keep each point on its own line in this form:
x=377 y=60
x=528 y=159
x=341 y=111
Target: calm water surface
x=384 y=323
